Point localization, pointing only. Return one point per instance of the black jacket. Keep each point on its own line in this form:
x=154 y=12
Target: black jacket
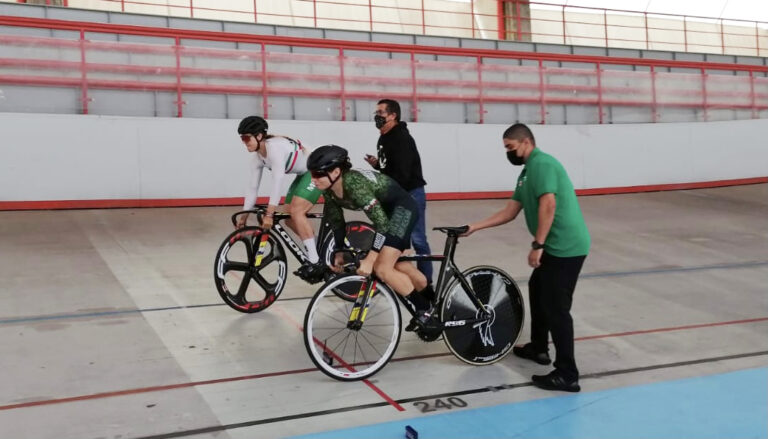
x=399 y=158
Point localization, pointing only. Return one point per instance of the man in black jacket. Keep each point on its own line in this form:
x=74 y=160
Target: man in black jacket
x=399 y=159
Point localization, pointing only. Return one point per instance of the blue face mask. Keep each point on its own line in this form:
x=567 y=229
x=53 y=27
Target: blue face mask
x=514 y=159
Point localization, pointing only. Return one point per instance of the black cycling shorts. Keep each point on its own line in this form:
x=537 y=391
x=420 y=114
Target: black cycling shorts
x=401 y=223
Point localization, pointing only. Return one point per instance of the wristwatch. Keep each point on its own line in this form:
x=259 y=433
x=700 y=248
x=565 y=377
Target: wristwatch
x=536 y=245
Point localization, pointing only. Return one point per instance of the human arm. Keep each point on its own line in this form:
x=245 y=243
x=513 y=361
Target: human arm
x=333 y=216
x=503 y=216
x=546 y=215
x=252 y=191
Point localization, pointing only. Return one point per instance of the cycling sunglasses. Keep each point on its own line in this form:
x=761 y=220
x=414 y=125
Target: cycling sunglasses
x=318 y=174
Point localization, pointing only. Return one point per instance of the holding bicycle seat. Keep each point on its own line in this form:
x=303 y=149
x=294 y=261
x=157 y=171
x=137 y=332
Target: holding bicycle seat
x=393 y=213
x=282 y=155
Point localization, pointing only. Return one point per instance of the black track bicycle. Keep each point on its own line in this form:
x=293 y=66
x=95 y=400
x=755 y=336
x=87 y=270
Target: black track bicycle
x=481 y=313
x=250 y=268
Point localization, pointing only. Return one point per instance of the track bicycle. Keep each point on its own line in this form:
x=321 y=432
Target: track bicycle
x=481 y=313
x=250 y=268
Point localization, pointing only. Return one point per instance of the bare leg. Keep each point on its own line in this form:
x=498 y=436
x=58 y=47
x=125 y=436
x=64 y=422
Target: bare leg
x=384 y=267
x=299 y=222
x=418 y=279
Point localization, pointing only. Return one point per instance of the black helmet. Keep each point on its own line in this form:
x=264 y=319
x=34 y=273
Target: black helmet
x=327 y=157
x=252 y=125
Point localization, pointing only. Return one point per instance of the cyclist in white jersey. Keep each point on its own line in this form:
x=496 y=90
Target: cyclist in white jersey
x=281 y=155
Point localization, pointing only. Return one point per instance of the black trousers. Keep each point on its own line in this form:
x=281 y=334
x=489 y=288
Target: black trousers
x=550 y=294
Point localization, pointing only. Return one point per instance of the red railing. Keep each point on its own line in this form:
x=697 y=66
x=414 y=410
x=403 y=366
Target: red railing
x=491 y=80
x=526 y=21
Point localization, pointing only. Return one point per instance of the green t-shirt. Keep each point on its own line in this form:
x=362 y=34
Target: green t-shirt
x=541 y=175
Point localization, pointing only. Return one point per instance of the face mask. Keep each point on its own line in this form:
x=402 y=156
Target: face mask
x=380 y=121
x=514 y=159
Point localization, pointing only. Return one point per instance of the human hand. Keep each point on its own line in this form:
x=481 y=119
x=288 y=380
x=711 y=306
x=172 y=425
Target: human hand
x=241 y=221
x=338 y=263
x=266 y=222
x=372 y=160
x=534 y=257
x=470 y=230
x=366 y=265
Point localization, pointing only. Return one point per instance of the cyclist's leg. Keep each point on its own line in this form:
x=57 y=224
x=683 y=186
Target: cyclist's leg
x=302 y=195
x=417 y=278
x=384 y=267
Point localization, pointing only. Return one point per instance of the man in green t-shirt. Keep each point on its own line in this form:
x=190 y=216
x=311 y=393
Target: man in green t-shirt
x=560 y=245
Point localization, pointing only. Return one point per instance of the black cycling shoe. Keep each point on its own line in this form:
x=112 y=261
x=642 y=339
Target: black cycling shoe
x=312 y=273
x=527 y=352
x=425 y=321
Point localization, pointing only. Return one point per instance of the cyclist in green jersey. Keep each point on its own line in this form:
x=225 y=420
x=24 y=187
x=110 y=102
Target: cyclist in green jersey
x=393 y=213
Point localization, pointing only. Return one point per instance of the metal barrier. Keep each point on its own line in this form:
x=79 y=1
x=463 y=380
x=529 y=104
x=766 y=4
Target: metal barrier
x=518 y=20
x=334 y=75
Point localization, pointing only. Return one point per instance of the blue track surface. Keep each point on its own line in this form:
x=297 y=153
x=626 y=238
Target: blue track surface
x=732 y=405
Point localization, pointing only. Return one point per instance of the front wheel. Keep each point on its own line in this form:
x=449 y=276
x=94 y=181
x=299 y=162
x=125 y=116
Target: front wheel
x=349 y=354
x=250 y=270
x=488 y=342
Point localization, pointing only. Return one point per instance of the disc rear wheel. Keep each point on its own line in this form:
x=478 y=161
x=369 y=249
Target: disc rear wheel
x=489 y=341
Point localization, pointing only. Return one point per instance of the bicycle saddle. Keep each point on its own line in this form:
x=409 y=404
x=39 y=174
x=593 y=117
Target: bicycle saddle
x=452 y=230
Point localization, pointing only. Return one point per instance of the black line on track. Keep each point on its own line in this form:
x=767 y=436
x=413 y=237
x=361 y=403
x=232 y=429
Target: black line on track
x=749 y=264
x=217 y=428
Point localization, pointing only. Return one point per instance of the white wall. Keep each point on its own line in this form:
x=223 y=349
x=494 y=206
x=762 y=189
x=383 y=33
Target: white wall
x=70 y=157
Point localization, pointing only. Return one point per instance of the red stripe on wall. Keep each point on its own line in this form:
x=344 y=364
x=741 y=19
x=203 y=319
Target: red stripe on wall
x=435 y=196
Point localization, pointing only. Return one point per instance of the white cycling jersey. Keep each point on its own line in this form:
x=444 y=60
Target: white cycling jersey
x=284 y=156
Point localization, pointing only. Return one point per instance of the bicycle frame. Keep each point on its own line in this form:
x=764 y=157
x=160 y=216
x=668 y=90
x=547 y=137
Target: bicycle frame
x=448 y=269
x=280 y=234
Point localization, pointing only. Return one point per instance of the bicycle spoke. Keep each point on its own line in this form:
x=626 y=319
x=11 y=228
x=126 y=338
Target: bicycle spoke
x=267 y=259
x=263 y=282
x=240 y=296
x=363 y=332
x=235 y=266
x=380 y=354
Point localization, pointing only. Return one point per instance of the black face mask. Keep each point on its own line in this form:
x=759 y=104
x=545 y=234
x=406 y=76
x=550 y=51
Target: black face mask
x=514 y=159
x=380 y=121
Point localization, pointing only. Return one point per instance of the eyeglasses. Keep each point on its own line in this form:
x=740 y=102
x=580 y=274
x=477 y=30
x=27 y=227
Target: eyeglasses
x=246 y=137
x=318 y=174
x=380 y=113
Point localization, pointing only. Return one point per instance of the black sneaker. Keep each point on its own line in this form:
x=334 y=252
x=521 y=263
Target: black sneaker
x=555 y=381
x=312 y=273
x=527 y=352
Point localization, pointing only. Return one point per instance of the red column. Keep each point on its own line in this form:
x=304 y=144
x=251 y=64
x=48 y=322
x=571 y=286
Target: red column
x=480 y=104
x=704 y=93
x=83 y=75
x=599 y=94
x=341 y=81
x=543 y=109
x=415 y=108
x=179 y=95
x=654 y=106
x=752 y=93
x=501 y=20
x=264 y=98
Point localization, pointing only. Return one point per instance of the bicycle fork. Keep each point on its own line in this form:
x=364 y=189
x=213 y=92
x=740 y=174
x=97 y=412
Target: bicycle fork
x=362 y=303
